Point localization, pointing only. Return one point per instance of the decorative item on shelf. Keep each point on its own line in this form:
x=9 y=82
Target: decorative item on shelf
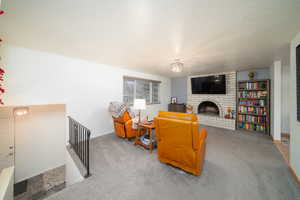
x=1 y=12
x=230 y=114
x=145 y=120
x=233 y=114
x=251 y=75
x=173 y=100
x=189 y=109
x=145 y=139
x=139 y=104
x=177 y=66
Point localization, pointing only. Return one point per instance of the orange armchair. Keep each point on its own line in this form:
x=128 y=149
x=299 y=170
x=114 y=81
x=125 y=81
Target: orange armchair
x=179 y=142
x=123 y=126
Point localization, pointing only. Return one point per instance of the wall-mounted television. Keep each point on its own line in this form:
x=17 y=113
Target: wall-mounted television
x=209 y=85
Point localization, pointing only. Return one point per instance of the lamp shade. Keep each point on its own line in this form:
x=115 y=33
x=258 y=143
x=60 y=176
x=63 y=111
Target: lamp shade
x=139 y=104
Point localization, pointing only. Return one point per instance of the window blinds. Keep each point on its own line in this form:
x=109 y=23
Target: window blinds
x=135 y=88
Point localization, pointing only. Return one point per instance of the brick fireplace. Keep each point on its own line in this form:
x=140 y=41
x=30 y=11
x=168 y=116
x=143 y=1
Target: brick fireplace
x=208 y=108
x=211 y=108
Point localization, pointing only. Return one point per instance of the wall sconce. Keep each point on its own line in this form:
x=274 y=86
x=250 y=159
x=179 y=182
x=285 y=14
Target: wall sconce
x=20 y=111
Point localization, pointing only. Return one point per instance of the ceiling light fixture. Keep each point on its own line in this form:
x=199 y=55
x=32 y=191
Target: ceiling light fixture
x=177 y=66
x=19 y=111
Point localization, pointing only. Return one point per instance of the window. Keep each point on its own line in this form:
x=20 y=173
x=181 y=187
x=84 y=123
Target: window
x=136 y=88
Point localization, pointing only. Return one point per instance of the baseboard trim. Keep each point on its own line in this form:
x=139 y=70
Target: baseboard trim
x=294 y=175
x=297 y=179
x=276 y=141
x=102 y=134
x=283 y=150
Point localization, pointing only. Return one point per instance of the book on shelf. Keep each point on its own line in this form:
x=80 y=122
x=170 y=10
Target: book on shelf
x=252 y=102
x=252 y=110
x=252 y=119
x=260 y=85
x=252 y=127
x=253 y=94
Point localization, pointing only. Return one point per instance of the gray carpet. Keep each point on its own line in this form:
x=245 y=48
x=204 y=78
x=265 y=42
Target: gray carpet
x=238 y=166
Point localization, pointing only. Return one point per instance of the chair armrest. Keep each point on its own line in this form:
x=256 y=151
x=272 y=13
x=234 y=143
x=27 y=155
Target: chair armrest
x=203 y=134
x=198 y=138
x=128 y=124
x=119 y=122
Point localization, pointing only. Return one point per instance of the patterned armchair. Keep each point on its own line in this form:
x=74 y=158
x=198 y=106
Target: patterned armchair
x=123 y=126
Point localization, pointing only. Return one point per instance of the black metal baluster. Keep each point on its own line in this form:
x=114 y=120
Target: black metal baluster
x=75 y=141
x=79 y=139
x=70 y=131
x=84 y=150
x=88 y=153
x=80 y=143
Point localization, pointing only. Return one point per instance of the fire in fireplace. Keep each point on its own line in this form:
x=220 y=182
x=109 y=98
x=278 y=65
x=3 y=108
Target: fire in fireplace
x=208 y=108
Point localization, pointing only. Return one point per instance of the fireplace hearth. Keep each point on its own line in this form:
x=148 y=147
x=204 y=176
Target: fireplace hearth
x=208 y=108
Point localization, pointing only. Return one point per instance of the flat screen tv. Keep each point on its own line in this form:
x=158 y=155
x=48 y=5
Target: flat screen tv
x=209 y=85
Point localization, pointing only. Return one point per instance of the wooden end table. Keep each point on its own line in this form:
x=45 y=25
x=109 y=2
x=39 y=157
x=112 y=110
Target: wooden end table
x=149 y=126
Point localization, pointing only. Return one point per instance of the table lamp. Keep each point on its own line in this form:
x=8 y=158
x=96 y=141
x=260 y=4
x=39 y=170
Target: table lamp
x=139 y=104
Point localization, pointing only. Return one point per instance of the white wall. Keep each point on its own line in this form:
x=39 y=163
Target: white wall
x=39 y=140
x=261 y=73
x=179 y=89
x=285 y=124
x=294 y=124
x=7 y=184
x=86 y=88
x=72 y=171
x=275 y=71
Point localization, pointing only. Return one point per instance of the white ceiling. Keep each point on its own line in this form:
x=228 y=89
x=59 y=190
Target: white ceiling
x=146 y=35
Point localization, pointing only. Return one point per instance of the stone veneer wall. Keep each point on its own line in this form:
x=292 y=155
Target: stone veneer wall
x=223 y=101
x=45 y=184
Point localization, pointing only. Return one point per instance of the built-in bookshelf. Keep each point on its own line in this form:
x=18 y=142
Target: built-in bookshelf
x=253 y=105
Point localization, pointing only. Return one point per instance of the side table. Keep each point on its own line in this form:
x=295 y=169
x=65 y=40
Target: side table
x=150 y=126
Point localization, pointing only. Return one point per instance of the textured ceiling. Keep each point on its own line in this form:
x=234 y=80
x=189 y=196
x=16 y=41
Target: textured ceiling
x=147 y=35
